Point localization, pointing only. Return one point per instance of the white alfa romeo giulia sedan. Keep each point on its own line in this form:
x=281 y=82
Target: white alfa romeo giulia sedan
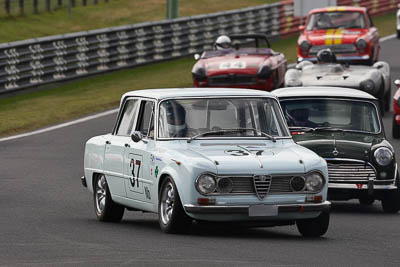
x=213 y=154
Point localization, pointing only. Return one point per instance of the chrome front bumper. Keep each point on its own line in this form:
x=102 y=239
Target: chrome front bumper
x=244 y=209
x=369 y=186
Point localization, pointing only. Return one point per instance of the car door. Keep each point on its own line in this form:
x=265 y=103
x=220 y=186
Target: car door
x=115 y=145
x=139 y=184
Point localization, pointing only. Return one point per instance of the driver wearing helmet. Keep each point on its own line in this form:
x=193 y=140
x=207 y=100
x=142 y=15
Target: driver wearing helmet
x=223 y=42
x=326 y=56
x=176 y=119
x=299 y=117
x=324 y=22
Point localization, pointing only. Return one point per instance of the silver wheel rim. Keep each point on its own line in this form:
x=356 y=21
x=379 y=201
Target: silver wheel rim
x=101 y=194
x=167 y=202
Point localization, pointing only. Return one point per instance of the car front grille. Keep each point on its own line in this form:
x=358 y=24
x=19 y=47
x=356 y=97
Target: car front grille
x=237 y=79
x=350 y=172
x=341 y=48
x=243 y=185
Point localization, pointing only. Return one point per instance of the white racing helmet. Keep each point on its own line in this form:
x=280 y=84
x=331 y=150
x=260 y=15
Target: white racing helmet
x=223 y=42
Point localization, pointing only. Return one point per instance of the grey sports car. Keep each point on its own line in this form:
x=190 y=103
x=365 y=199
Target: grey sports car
x=374 y=79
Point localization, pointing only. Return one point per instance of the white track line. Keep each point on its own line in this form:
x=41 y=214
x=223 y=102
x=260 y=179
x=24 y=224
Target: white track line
x=62 y=125
x=383 y=39
x=389 y=37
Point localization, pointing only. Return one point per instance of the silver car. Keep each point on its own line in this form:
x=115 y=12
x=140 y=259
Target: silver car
x=374 y=80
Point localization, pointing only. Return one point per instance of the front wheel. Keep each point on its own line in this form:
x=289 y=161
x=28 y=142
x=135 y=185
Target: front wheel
x=171 y=216
x=106 y=209
x=315 y=227
x=395 y=128
x=388 y=100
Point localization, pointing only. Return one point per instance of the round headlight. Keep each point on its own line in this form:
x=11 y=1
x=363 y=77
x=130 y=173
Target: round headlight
x=297 y=183
x=264 y=72
x=361 y=44
x=225 y=185
x=383 y=156
x=314 y=182
x=206 y=184
x=200 y=74
x=368 y=86
x=305 y=45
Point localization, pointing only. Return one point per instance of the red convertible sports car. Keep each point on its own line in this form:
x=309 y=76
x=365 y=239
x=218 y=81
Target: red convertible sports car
x=347 y=31
x=250 y=63
x=396 y=111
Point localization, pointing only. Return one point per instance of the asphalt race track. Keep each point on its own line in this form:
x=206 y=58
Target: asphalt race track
x=47 y=217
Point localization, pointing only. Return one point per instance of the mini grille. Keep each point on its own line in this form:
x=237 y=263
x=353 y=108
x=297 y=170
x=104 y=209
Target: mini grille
x=343 y=48
x=350 y=172
x=232 y=79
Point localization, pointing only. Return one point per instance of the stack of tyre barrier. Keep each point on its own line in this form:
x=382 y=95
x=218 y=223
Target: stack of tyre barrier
x=34 y=62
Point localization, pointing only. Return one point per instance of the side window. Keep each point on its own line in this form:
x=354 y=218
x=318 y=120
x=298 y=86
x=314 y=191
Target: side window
x=145 y=121
x=128 y=116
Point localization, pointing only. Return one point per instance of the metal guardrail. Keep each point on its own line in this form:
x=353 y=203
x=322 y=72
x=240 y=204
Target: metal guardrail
x=22 y=7
x=34 y=62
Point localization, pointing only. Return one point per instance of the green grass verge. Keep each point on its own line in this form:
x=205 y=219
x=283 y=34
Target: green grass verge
x=113 y=13
x=75 y=99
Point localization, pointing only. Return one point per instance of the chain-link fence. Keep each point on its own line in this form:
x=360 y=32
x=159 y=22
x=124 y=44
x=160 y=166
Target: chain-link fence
x=21 y=7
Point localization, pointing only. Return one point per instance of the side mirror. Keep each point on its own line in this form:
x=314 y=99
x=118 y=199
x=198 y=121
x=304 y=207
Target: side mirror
x=397 y=82
x=196 y=56
x=301 y=28
x=136 y=136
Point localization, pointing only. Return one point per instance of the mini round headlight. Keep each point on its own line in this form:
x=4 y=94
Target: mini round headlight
x=297 y=183
x=206 y=184
x=383 y=156
x=225 y=185
x=314 y=182
x=305 y=45
x=361 y=44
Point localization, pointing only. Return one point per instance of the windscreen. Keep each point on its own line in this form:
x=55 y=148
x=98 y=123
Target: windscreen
x=184 y=118
x=336 y=20
x=343 y=114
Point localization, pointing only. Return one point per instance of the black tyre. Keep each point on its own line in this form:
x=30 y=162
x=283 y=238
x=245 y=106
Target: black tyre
x=171 y=216
x=398 y=34
x=366 y=201
x=315 y=227
x=395 y=128
x=276 y=79
x=388 y=99
x=391 y=201
x=382 y=105
x=371 y=60
x=105 y=208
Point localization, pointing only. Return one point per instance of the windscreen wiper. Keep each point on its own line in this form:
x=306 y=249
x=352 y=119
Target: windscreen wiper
x=300 y=128
x=327 y=129
x=237 y=130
